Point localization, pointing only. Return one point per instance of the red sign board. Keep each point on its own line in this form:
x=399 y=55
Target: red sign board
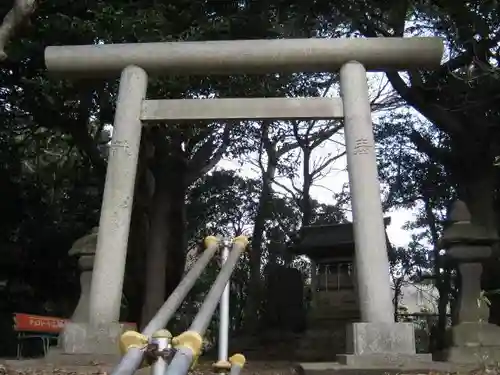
x=45 y=324
x=37 y=323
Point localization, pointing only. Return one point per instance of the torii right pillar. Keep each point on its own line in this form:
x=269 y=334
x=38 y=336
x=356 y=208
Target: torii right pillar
x=377 y=340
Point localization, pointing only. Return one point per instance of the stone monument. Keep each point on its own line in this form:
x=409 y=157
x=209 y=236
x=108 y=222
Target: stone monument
x=468 y=246
x=284 y=300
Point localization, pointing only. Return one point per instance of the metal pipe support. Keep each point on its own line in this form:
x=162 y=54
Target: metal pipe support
x=189 y=343
x=131 y=347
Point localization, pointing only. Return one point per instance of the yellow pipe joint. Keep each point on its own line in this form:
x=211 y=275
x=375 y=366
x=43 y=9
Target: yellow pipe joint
x=241 y=240
x=132 y=339
x=189 y=339
x=238 y=360
x=210 y=240
x=162 y=334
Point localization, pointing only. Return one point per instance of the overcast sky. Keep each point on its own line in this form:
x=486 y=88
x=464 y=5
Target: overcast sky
x=336 y=175
x=332 y=183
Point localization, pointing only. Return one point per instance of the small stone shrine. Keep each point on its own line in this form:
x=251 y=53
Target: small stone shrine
x=468 y=246
x=334 y=298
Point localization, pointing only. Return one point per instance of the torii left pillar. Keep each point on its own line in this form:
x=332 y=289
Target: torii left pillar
x=116 y=211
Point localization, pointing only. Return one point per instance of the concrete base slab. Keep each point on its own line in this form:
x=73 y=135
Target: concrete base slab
x=481 y=355
x=335 y=368
x=380 y=338
x=384 y=360
x=63 y=359
x=475 y=334
x=83 y=338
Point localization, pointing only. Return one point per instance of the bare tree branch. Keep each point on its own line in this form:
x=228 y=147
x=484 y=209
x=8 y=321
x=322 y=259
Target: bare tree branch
x=261 y=154
x=425 y=146
x=299 y=191
x=206 y=158
x=413 y=95
x=323 y=135
x=290 y=191
x=325 y=163
x=19 y=12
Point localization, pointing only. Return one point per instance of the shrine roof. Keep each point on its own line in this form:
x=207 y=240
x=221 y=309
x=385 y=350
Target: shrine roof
x=320 y=241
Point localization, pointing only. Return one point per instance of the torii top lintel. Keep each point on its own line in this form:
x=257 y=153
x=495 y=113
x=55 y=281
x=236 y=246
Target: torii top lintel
x=246 y=56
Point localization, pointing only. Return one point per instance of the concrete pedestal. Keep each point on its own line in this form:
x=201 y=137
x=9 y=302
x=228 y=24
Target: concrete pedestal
x=476 y=334
x=81 y=344
x=82 y=338
x=380 y=344
x=481 y=355
x=474 y=343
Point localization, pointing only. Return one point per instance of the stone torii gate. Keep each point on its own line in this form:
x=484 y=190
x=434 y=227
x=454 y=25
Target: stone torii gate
x=378 y=334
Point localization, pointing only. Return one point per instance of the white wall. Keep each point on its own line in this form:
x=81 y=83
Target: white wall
x=417 y=297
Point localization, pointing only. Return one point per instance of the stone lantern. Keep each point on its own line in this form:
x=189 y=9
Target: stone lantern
x=84 y=248
x=75 y=339
x=468 y=246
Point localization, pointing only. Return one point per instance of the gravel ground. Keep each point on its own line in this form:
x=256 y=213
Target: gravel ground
x=42 y=367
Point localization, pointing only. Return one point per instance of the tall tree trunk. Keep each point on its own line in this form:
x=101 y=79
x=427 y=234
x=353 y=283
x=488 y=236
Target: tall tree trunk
x=156 y=255
x=272 y=261
x=254 y=290
x=177 y=224
x=442 y=279
x=135 y=266
x=166 y=245
x=166 y=255
x=306 y=188
x=395 y=300
x=139 y=233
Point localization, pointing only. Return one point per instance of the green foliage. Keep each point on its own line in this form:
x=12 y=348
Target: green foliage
x=411 y=263
x=223 y=203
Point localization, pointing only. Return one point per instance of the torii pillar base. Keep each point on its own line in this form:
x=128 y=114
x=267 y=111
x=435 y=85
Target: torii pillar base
x=382 y=344
x=82 y=344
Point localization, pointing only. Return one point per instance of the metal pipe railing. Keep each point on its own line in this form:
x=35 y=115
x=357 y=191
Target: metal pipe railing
x=189 y=343
x=222 y=365
x=133 y=344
